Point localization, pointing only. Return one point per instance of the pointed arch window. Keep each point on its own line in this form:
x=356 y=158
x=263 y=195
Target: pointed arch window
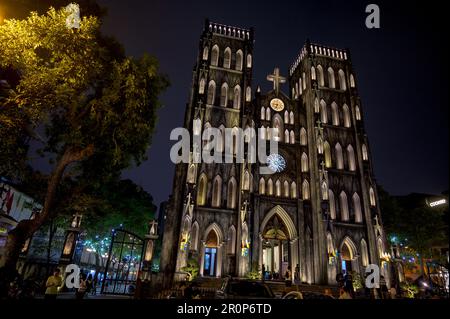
x=224 y=95
x=313 y=73
x=304 y=163
x=277 y=123
x=327 y=153
x=332 y=202
x=211 y=92
x=319 y=145
x=300 y=86
x=205 y=53
x=316 y=105
x=268 y=114
x=372 y=197
x=231 y=198
x=246 y=181
x=305 y=190
x=263 y=113
x=237 y=97
x=293 y=190
x=324 y=188
x=249 y=60
x=357 y=113
x=323 y=112
x=248 y=94
x=205 y=128
x=217 y=192
x=291 y=117
x=278 y=188
x=286 y=188
x=331 y=78
x=304 y=81
x=286 y=136
x=364 y=253
x=352 y=81
x=303 y=139
x=334 y=114
x=270 y=187
x=215 y=56
x=339 y=156
x=227 y=58
x=239 y=60
x=201 y=192
x=344 y=206
x=330 y=246
x=347 y=120
x=191 y=174
x=201 y=86
x=262 y=186
x=351 y=158
x=221 y=142
x=286 y=117
x=342 y=84
x=263 y=132
x=292 y=135
x=365 y=155
x=320 y=76
x=357 y=208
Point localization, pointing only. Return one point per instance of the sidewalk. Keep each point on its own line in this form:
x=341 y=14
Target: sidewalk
x=71 y=295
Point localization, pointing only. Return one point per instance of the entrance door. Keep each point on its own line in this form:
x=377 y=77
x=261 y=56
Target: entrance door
x=346 y=266
x=210 y=259
x=346 y=259
x=276 y=257
x=209 y=268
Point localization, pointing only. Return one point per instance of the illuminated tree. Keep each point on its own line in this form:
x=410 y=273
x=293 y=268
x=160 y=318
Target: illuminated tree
x=98 y=107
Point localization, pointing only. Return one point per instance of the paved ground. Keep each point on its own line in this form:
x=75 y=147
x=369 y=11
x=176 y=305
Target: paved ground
x=71 y=295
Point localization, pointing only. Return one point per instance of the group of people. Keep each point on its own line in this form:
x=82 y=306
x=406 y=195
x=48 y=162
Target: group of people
x=54 y=283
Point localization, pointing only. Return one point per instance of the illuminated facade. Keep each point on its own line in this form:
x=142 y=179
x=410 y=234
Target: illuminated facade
x=318 y=212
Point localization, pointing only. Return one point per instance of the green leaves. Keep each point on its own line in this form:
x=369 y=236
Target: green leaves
x=98 y=109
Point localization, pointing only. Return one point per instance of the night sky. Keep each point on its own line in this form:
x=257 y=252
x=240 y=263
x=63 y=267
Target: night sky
x=401 y=73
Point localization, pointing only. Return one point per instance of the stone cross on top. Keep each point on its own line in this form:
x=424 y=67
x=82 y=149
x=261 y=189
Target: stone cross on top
x=276 y=78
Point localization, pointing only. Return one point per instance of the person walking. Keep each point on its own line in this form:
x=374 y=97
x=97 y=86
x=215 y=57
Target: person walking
x=288 y=277
x=297 y=275
x=81 y=291
x=52 y=284
x=89 y=284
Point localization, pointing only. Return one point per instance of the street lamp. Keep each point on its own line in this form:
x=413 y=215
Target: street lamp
x=149 y=245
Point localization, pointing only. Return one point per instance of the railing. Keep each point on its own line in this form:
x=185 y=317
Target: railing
x=229 y=31
x=319 y=50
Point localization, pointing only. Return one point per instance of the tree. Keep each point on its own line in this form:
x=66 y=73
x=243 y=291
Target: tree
x=417 y=225
x=98 y=109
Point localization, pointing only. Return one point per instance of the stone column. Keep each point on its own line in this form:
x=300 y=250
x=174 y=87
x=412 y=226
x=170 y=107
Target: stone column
x=202 y=256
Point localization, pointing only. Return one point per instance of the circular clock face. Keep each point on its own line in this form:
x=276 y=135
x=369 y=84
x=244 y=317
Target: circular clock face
x=276 y=162
x=277 y=105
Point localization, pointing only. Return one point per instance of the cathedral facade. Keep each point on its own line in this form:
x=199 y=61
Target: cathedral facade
x=317 y=212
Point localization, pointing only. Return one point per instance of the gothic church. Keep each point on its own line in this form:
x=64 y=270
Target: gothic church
x=318 y=213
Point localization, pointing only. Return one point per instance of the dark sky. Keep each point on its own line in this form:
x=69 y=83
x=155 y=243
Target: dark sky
x=401 y=71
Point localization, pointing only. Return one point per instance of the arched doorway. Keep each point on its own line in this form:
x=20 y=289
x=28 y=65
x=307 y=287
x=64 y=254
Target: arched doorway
x=275 y=248
x=211 y=254
x=349 y=256
x=210 y=259
x=278 y=244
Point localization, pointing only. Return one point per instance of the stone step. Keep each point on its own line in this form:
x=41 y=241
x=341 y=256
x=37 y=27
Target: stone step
x=278 y=287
